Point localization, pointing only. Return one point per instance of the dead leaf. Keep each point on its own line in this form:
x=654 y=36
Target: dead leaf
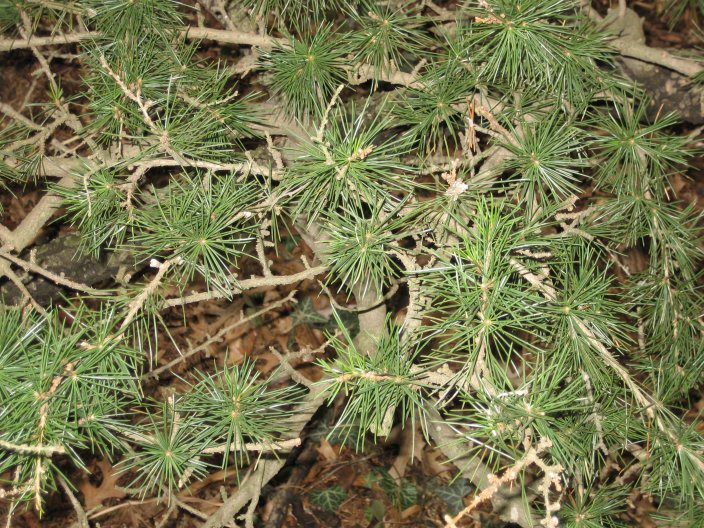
x=411 y=446
x=434 y=462
x=327 y=451
x=94 y=496
x=410 y=511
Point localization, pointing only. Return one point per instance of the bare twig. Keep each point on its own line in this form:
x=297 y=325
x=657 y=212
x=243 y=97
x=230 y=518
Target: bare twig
x=532 y=456
x=239 y=38
x=247 y=284
x=45 y=398
x=7 y=44
x=53 y=277
x=30 y=226
x=42 y=450
x=138 y=302
x=7 y=271
x=81 y=516
x=283 y=445
x=220 y=334
x=635 y=50
x=13 y=114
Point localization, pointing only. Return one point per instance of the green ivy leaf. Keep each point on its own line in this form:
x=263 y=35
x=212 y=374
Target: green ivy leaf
x=453 y=494
x=375 y=511
x=402 y=494
x=328 y=499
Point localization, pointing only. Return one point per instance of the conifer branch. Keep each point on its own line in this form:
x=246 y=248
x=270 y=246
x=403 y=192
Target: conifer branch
x=464 y=173
x=532 y=456
x=7 y=44
x=245 y=285
x=136 y=305
x=45 y=451
x=80 y=512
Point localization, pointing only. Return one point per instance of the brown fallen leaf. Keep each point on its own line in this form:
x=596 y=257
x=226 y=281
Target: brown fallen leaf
x=410 y=511
x=95 y=495
x=434 y=462
x=411 y=446
x=327 y=451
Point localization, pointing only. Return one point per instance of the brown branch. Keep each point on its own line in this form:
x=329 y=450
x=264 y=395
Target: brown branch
x=496 y=484
x=138 y=302
x=225 y=36
x=14 y=114
x=6 y=270
x=283 y=445
x=82 y=518
x=629 y=48
x=363 y=73
x=45 y=398
x=244 y=285
x=627 y=23
x=220 y=35
x=29 y=228
x=220 y=334
x=7 y=44
x=57 y=279
x=25 y=449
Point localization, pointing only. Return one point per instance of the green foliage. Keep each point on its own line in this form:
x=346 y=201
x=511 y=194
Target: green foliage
x=636 y=157
x=585 y=315
x=673 y=10
x=433 y=111
x=14 y=145
x=677 y=462
x=66 y=386
x=402 y=493
x=207 y=243
x=477 y=293
x=547 y=158
x=328 y=499
x=388 y=38
x=188 y=107
x=59 y=15
x=95 y=203
x=168 y=454
x=506 y=420
x=535 y=45
x=305 y=314
x=293 y=12
x=127 y=19
x=375 y=511
x=228 y=413
x=374 y=386
x=594 y=508
x=452 y=494
x=9 y=14
x=353 y=163
x=306 y=71
x=233 y=408
x=360 y=248
x=480 y=171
